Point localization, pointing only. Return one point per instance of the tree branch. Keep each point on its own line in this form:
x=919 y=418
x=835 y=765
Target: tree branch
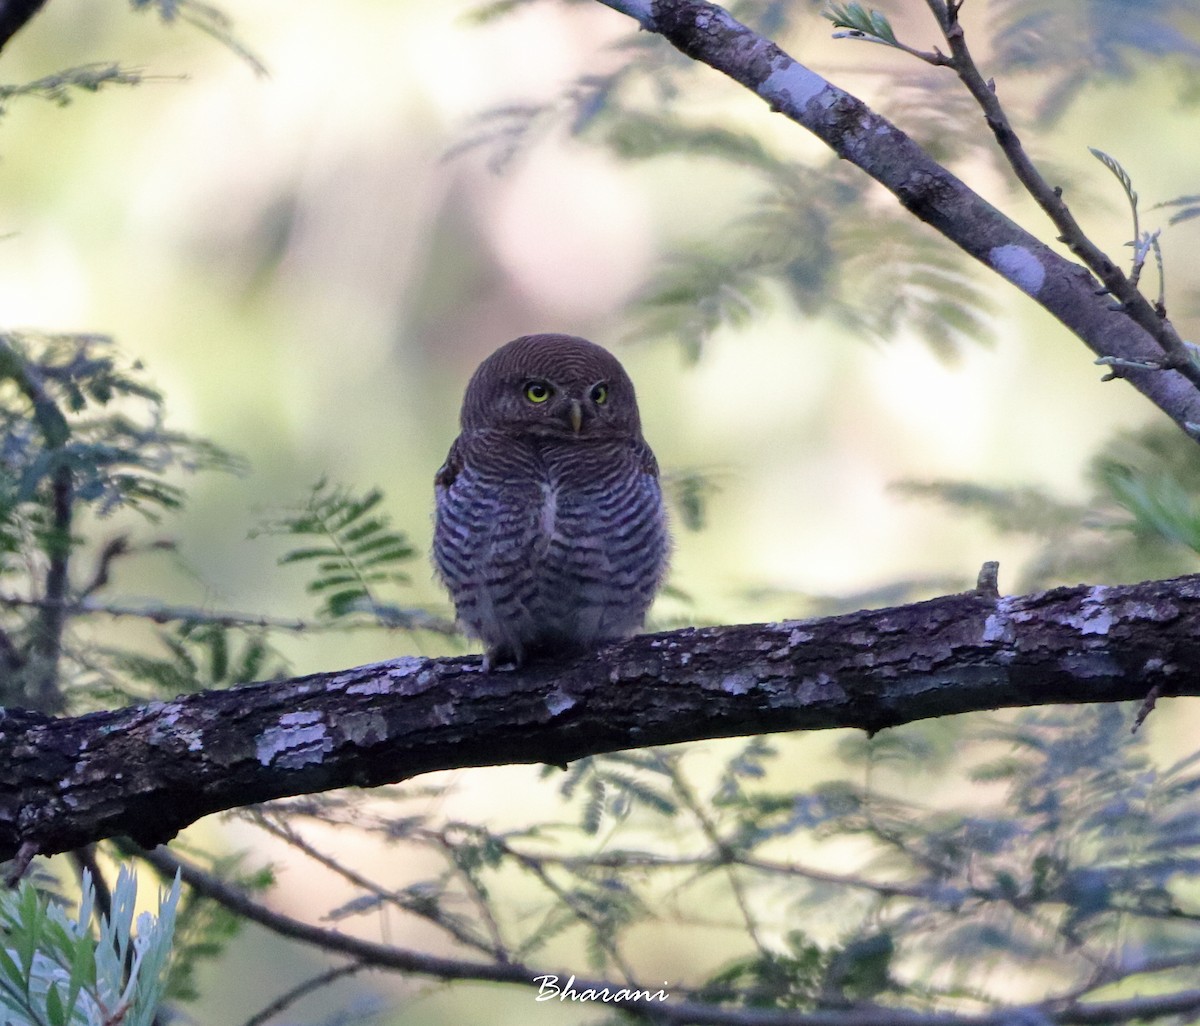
x=670 y=1013
x=13 y=16
x=709 y=34
x=150 y=770
x=396 y=619
x=1122 y=287
x=41 y=667
x=303 y=989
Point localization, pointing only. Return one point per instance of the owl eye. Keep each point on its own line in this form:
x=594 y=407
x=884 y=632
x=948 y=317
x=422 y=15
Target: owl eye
x=599 y=394
x=537 y=391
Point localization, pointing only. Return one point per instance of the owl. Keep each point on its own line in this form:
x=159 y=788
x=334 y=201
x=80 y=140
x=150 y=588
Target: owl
x=549 y=529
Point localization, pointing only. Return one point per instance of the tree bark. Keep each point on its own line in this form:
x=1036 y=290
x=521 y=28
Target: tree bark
x=148 y=771
x=14 y=14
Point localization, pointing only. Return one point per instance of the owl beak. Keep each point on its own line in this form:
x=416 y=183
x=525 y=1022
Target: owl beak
x=576 y=415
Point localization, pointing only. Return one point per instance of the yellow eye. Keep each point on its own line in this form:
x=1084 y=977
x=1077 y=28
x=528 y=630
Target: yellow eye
x=599 y=394
x=537 y=391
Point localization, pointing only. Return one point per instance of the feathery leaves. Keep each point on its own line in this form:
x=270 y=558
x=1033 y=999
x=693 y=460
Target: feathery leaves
x=348 y=544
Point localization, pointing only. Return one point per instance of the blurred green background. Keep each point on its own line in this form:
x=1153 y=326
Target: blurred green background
x=311 y=280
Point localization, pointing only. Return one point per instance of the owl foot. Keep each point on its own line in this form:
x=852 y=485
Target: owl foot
x=500 y=658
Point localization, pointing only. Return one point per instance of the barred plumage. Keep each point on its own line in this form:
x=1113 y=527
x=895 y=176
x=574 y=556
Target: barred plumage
x=550 y=532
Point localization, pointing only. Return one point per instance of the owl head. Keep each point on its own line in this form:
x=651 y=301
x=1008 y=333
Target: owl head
x=552 y=385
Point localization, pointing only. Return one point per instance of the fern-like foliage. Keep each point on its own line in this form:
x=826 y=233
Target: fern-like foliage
x=1188 y=208
x=350 y=547
x=72 y=405
x=206 y=17
x=802 y=237
x=60 y=88
x=72 y=414
x=688 y=493
x=943 y=859
x=491 y=10
x=81 y=431
x=637 y=135
x=861 y=23
x=1079 y=43
x=200 y=656
x=905 y=280
x=614 y=785
x=1141 y=520
x=694 y=294
x=798 y=243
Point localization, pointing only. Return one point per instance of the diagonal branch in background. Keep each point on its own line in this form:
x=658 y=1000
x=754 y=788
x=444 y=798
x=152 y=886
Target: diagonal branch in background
x=671 y=1013
x=150 y=770
x=13 y=16
x=709 y=34
x=1121 y=287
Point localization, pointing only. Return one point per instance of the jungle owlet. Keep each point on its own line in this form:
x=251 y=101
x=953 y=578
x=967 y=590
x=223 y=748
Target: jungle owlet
x=550 y=532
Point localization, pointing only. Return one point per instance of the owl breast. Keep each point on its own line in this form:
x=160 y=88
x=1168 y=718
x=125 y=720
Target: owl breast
x=550 y=546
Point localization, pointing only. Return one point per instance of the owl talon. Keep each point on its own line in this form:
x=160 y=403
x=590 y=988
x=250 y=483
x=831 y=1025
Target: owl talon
x=496 y=659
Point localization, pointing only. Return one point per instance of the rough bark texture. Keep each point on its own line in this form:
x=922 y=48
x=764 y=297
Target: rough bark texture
x=150 y=770
x=709 y=34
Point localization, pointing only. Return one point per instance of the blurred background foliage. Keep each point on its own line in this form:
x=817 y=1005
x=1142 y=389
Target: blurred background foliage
x=305 y=228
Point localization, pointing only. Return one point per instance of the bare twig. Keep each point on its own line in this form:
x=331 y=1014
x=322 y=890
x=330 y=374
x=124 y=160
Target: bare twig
x=672 y=1012
x=430 y=912
x=722 y=852
x=580 y=912
x=482 y=905
x=13 y=16
x=708 y=33
x=410 y=619
x=302 y=990
x=1123 y=288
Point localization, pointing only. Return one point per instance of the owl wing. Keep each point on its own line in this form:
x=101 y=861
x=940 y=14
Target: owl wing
x=448 y=472
x=650 y=538
x=644 y=457
x=485 y=535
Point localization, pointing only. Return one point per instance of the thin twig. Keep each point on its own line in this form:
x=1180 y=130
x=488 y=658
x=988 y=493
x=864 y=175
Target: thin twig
x=431 y=913
x=723 y=853
x=410 y=619
x=301 y=990
x=478 y=896
x=580 y=912
x=1134 y=304
x=673 y=1013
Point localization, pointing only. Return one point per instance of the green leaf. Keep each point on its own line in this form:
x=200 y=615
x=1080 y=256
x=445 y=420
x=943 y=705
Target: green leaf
x=871 y=25
x=1158 y=503
x=55 y=1012
x=108 y=967
x=1122 y=176
x=58 y=88
x=1190 y=205
x=355 y=551
x=208 y=19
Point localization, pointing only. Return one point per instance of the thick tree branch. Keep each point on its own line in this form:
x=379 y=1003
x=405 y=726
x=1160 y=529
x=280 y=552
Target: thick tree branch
x=709 y=34
x=150 y=770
